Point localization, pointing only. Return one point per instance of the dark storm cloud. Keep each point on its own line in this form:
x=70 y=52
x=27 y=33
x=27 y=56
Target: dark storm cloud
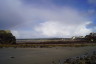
x=92 y=26
x=9 y=16
x=8 y=21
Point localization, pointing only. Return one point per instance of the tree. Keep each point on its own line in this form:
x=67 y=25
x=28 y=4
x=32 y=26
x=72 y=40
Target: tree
x=91 y=37
x=6 y=37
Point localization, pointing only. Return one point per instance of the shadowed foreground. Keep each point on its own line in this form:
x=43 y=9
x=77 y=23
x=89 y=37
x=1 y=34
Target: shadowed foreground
x=41 y=55
x=84 y=59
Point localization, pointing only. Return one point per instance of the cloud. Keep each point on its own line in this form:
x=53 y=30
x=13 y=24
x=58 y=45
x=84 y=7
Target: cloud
x=23 y=34
x=91 y=12
x=15 y=33
x=92 y=1
x=40 y=20
x=59 y=29
x=92 y=26
x=9 y=14
x=69 y=22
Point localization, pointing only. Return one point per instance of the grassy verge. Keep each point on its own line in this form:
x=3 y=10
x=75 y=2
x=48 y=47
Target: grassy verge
x=46 y=45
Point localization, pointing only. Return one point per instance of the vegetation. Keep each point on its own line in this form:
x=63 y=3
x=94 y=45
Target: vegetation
x=46 y=45
x=8 y=40
x=6 y=37
x=91 y=37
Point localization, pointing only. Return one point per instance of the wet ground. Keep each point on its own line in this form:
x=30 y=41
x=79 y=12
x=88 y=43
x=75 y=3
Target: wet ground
x=41 y=55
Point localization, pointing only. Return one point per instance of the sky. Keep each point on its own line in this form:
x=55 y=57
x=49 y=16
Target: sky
x=48 y=18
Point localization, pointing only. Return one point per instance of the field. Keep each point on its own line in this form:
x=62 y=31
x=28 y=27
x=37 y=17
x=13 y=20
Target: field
x=47 y=45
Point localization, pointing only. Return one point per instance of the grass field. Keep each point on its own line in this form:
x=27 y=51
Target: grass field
x=47 y=45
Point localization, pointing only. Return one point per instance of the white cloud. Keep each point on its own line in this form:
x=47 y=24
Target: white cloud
x=23 y=34
x=69 y=22
x=15 y=33
x=62 y=22
x=59 y=29
x=53 y=22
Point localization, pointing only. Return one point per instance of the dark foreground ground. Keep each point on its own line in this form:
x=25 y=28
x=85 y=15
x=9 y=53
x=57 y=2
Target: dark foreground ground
x=72 y=53
x=84 y=59
x=52 y=55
